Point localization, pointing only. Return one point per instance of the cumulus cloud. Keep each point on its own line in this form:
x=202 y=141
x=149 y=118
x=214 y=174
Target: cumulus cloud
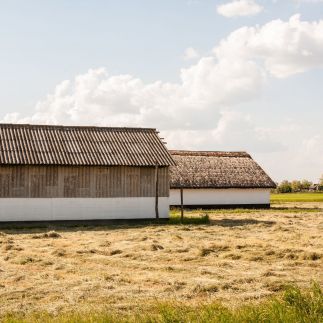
x=191 y=53
x=233 y=131
x=301 y=158
x=239 y=8
x=287 y=47
x=102 y=99
x=201 y=110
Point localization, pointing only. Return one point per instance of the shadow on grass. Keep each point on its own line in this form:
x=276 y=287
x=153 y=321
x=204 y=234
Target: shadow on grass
x=100 y=225
x=204 y=219
x=239 y=222
x=196 y=219
x=33 y=227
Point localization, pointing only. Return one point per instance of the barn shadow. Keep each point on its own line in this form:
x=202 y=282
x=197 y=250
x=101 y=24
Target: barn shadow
x=239 y=222
x=110 y=225
x=74 y=226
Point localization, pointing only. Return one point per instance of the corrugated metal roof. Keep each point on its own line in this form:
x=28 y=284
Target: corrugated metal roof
x=23 y=144
x=217 y=169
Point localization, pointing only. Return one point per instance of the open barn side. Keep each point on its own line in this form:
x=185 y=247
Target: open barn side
x=47 y=193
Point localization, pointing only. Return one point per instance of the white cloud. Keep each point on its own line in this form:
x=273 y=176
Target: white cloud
x=301 y=158
x=191 y=53
x=234 y=74
x=239 y=8
x=233 y=131
x=201 y=110
x=286 y=47
x=98 y=98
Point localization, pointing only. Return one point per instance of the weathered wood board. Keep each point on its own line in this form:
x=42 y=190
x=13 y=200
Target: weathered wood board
x=81 y=181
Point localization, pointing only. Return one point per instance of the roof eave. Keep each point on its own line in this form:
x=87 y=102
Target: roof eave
x=221 y=187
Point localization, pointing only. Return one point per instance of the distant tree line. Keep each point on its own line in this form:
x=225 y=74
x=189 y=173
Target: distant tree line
x=298 y=186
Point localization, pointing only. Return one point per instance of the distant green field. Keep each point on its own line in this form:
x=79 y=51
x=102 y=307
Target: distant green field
x=297 y=197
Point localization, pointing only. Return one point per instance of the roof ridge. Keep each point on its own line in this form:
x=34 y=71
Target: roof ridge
x=28 y=125
x=210 y=153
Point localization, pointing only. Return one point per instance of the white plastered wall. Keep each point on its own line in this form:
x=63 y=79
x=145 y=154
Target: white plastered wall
x=220 y=196
x=51 y=209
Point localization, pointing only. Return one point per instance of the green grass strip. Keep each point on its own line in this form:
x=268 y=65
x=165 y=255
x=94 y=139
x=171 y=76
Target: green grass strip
x=292 y=306
x=296 y=197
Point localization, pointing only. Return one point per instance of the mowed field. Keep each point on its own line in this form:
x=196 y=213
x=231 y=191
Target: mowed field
x=239 y=256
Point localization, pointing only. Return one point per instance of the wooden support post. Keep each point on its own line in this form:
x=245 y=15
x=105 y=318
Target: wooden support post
x=182 y=207
x=156 y=191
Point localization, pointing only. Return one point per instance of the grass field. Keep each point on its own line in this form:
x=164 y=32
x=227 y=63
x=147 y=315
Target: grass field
x=160 y=272
x=296 y=197
x=293 y=305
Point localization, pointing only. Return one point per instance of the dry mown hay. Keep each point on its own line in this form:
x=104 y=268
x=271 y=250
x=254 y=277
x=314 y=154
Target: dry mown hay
x=50 y=234
x=238 y=256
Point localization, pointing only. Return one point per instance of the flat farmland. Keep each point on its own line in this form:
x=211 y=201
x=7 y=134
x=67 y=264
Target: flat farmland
x=297 y=197
x=239 y=256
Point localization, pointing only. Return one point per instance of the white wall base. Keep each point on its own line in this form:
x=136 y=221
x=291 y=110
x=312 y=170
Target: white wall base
x=212 y=196
x=52 y=209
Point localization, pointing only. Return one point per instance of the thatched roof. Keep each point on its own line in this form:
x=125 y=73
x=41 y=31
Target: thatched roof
x=22 y=144
x=214 y=169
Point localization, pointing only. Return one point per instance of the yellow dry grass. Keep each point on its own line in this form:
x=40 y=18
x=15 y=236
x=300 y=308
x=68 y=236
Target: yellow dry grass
x=237 y=257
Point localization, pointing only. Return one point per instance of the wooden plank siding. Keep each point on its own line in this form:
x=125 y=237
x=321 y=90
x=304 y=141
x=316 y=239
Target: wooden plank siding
x=23 y=181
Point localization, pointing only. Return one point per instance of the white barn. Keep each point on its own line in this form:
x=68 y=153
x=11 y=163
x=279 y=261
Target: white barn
x=50 y=173
x=211 y=179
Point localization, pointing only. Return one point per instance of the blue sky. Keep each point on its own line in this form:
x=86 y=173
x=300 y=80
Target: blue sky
x=275 y=112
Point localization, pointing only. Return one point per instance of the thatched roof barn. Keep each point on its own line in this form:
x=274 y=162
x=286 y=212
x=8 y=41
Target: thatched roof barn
x=218 y=179
x=77 y=173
